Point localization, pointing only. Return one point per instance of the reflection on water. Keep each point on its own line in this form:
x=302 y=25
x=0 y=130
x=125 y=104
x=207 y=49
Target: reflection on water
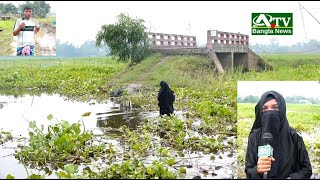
x=125 y=114
x=17 y=111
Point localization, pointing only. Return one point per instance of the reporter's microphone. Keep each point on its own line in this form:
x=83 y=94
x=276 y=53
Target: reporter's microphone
x=266 y=150
x=23 y=21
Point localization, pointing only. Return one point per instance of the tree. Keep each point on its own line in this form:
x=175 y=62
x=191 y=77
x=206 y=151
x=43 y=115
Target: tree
x=1 y=7
x=65 y=49
x=88 y=48
x=251 y=99
x=40 y=8
x=21 y=6
x=126 y=38
x=9 y=8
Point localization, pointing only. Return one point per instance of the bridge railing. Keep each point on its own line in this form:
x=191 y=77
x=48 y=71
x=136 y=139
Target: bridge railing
x=163 y=40
x=226 y=39
x=8 y=16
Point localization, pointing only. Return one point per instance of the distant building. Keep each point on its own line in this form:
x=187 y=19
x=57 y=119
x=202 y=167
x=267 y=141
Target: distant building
x=50 y=14
x=304 y=102
x=5 y=17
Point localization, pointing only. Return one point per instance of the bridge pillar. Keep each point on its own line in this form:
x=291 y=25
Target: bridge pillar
x=232 y=59
x=241 y=59
x=225 y=60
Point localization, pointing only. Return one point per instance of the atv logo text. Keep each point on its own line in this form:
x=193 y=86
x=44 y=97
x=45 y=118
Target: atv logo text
x=271 y=24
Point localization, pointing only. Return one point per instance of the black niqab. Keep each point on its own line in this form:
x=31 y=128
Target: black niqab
x=276 y=123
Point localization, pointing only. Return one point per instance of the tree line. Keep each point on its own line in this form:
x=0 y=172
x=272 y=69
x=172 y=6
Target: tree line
x=289 y=99
x=40 y=8
x=311 y=46
x=88 y=48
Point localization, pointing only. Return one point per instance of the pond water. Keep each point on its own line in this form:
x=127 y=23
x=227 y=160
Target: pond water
x=15 y=112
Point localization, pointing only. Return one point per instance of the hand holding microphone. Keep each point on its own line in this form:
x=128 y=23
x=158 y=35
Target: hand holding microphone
x=264 y=164
x=22 y=25
x=265 y=154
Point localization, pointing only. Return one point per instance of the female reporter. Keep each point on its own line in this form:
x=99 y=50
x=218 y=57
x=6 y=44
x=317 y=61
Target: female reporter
x=290 y=157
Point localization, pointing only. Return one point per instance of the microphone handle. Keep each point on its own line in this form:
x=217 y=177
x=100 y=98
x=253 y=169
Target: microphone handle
x=265 y=175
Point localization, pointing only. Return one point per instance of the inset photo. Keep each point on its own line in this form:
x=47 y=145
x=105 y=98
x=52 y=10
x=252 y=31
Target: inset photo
x=27 y=28
x=278 y=129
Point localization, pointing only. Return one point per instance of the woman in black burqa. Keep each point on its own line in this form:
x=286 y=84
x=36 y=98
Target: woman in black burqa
x=290 y=157
x=165 y=97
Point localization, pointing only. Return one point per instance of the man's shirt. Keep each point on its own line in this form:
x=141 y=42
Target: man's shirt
x=26 y=35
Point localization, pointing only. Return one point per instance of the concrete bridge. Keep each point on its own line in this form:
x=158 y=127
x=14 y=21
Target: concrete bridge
x=227 y=50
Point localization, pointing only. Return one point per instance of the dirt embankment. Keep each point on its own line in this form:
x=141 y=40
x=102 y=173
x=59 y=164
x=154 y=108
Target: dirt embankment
x=46 y=40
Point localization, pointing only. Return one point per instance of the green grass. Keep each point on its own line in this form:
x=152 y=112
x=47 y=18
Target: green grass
x=47 y=21
x=301 y=73
x=6 y=36
x=291 y=60
x=179 y=71
x=12 y=62
x=80 y=80
x=131 y=73
x=312 y=108
x=297 y=114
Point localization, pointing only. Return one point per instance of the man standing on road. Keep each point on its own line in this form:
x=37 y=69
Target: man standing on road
x=25 y=28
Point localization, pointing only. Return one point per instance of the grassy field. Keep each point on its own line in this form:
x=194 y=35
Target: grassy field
x=304 y=118
x=180 y=71
x=291 y=60
x=47 y=21
x=6 y=37
x=12 y=62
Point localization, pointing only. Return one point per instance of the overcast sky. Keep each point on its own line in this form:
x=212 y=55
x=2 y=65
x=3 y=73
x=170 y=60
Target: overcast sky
x=81 y=21
x=286 y=88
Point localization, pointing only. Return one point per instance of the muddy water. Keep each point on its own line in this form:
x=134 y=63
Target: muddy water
x=15 y=112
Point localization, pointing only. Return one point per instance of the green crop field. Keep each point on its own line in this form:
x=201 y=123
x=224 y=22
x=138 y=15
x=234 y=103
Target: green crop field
x=6 y=37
